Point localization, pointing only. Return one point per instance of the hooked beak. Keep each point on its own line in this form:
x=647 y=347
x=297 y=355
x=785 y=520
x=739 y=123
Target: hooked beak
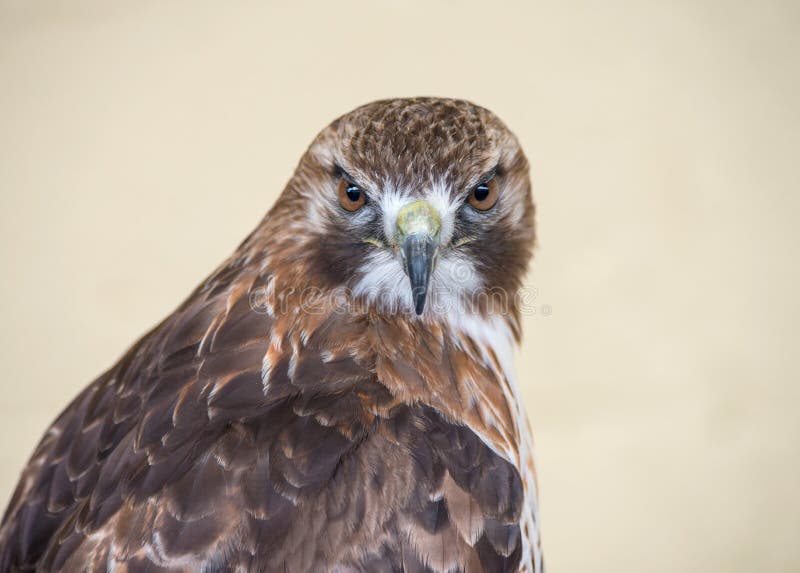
x=418 y=227
x=419 y=254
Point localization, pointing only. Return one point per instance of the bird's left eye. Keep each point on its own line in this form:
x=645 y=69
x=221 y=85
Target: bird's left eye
x=484 y=196
x=351 y=196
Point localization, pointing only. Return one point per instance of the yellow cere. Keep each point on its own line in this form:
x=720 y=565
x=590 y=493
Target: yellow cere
x=418 y=217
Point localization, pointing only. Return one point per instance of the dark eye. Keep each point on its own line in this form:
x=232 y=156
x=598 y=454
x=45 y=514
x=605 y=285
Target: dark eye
x=484 y=196
x=351 y=197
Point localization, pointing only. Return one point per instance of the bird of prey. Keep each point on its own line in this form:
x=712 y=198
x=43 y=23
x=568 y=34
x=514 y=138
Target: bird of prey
x=338 y=396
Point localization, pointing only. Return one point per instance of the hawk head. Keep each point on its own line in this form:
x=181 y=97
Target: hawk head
x=411 y=206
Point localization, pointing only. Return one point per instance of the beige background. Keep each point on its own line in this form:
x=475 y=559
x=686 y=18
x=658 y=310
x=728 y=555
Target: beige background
x=141 y=140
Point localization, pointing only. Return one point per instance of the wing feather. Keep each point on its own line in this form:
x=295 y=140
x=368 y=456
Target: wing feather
x=184 y=456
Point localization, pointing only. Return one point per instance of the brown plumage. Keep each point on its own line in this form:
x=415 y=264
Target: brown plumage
x=300 y=411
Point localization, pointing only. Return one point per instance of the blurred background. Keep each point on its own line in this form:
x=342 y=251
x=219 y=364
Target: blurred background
x=140 y=141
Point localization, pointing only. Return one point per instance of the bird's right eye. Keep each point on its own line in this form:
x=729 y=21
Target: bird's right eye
x=351 y=196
